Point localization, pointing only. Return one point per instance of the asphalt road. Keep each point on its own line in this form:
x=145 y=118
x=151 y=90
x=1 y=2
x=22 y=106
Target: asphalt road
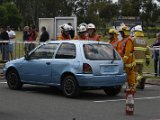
x=46 y=103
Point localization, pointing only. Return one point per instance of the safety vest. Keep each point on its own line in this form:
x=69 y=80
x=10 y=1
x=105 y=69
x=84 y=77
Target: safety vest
x=141 y=51
x=79 y=38
x=117 y=45
x=95 y=37
x=123 y=45
x=63 y=38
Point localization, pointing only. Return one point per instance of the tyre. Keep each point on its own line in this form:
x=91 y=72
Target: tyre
x=13 y=80
x=113 y=91
x=70 y=86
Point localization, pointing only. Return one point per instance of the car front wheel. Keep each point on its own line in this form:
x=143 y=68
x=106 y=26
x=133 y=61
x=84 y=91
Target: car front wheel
x=13 y=80
x=113 y=91
x=70 y=86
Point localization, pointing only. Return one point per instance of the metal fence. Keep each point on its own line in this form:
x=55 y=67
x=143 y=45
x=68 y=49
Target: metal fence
x=13 y=50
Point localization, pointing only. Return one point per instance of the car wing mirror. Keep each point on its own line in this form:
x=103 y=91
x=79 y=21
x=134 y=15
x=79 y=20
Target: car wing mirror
x=26 y=56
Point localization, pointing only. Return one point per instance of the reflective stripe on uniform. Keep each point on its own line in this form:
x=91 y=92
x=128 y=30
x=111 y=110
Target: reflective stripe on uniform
x=148 y=56
x=140 y=60
x=140 y=48
x=130 y=65
x=126 y=57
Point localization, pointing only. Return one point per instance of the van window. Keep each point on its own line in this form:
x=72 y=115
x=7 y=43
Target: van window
x=100 y=52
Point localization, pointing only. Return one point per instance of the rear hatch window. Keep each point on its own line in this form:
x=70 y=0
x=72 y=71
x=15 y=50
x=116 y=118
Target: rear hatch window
x=100 y=52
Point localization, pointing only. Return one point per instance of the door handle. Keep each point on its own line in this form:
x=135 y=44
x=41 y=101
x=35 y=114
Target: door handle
x=48 y=63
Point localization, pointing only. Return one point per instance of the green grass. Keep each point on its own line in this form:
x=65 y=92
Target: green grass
x=19 y=35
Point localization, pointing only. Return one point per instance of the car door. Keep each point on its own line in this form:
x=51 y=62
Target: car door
x=38 y=66
x=65 y=60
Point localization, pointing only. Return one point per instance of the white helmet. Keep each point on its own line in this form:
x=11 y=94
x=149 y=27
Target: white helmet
x=81 y=28
x=138 y=28
x=65 y=27
x=91 y=25
x=83 y=24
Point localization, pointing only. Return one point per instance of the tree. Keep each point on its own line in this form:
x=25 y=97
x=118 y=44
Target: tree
x=3 y=14
x=14 y=17
x=109 y=12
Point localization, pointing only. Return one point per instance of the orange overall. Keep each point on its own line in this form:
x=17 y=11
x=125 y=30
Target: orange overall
x=129 y=61
x=117 y=45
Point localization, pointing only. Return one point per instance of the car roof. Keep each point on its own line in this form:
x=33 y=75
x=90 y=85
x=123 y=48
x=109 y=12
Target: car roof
x=77 y=41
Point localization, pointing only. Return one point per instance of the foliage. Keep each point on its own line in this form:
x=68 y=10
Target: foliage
x=3 y=14
x=14 y=17
x=100 y=12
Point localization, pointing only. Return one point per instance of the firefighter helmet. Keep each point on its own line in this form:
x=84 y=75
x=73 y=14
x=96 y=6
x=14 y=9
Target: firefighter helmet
x=113 y=31
x=91 y=26
x=138 y=28
x=81 y=29
x=83 y=24
x=138 y=31
x=125 y=29
x=65 y=27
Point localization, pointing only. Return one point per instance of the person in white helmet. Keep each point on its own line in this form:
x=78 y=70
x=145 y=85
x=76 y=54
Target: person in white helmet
x=65 y=32
x=81 y=29
x=142 y=55
x=91 y=30
x=72 y=31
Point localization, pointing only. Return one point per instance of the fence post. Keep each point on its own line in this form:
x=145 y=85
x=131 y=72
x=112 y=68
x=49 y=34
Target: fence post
x=159 y=63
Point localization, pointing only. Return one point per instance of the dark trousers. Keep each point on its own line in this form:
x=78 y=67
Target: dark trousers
x=5 y=51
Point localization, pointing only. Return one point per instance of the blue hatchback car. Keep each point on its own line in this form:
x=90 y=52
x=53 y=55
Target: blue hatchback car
x=71 y=65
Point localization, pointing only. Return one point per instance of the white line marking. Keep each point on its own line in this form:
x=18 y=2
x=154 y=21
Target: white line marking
x=117 y=100
x=3 y=82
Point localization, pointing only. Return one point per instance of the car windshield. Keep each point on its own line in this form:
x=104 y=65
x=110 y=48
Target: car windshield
x=100 y=52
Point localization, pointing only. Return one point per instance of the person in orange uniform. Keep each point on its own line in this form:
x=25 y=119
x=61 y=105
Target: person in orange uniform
x=113 y=37
x=81 y=33
x=128 y=56
x=65 y=32
x=91 y=30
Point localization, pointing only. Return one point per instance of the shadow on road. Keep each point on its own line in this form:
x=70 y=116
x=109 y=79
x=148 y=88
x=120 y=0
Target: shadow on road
x=84 y=95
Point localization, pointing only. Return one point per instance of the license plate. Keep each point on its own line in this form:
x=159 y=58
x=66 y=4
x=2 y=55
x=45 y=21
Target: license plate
x=109 y=69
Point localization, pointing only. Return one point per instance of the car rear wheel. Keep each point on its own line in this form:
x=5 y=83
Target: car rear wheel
x=13 y=80
x=113 y=91
x=70 y=87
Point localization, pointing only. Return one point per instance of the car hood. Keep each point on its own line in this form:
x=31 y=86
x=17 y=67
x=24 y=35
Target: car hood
x=14 y=62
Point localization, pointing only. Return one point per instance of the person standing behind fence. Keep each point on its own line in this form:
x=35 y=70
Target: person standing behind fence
x=45 y=35
x=26 y=33
x=4 y=38
x=26 y=38
x=12 y=36
x=32 y=38
x=156 y=54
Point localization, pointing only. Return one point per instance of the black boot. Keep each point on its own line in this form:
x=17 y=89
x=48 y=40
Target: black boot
x=142 y=84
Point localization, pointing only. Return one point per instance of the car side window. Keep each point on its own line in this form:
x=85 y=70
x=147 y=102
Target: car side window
x=46 y=51
x=66 y=51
